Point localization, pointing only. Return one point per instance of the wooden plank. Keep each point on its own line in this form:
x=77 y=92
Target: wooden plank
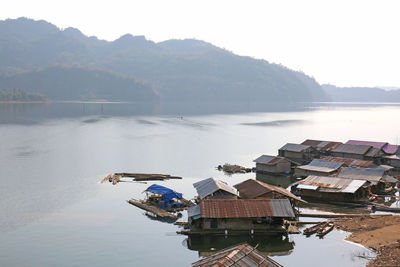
x=157 y=211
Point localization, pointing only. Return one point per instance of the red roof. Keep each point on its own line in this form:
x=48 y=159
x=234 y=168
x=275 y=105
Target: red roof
x=245 y=208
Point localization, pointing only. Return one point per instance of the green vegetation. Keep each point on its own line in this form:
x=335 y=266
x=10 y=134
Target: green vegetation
x=16 y=95
x=178 y=70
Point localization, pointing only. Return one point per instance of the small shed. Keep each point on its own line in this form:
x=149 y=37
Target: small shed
x=253 y=189
x=298 y=153
x=373 y=175
x=239 y=216
x=237 y=256
x=351 y=151
x=212 y=188
x=325 y=188
x=272 y=165
x=392 y=160
x=164 y=197
x=318 y=167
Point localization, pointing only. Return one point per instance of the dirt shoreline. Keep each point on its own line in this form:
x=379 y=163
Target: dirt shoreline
x=379 y=233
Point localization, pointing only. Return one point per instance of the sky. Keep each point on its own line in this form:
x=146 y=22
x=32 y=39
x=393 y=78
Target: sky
x=345 y=43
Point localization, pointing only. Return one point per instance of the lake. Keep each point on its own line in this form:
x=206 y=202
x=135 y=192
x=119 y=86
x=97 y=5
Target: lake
x=54 y=211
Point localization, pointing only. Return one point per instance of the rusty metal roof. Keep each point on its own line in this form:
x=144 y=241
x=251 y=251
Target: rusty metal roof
x=378 y=145
x=245 y=208
x=294 y=147
x=268 y=160
x=348 y=162
x=209 y=186
x=321 y=145
x=331 y=184
x=368 y=174
x=373 y=152
x=253 y=188
x=352 y=149
x=237 y=256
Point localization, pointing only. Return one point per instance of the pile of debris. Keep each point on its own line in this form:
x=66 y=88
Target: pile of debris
x=115 y=178
x=228 y=168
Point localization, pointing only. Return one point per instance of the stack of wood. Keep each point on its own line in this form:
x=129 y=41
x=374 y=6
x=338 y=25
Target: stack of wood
x=320 y=229
x=115 y=178
x=234 y=168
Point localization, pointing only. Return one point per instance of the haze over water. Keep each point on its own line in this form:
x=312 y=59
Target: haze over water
x=54 y=211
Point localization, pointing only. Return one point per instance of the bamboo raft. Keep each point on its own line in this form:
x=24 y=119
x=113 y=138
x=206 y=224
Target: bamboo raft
x=228 y=168
x=157 y=211
x=115 y=178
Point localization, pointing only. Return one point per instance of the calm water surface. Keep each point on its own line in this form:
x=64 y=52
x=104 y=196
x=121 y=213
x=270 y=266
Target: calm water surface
x=54 y=211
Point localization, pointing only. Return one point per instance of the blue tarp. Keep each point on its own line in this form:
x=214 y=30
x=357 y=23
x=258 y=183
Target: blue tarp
x=167 y=193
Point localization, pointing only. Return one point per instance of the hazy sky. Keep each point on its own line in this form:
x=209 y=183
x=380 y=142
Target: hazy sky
x=346 y=43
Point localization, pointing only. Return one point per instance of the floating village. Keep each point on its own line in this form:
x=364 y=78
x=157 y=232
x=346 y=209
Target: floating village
x=358 y=174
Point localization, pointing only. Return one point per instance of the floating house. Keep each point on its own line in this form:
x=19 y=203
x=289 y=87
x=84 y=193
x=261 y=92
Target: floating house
x=392 y=160
x=386 y=148
x=300 y=154
x=325 y=188
x=321 y=147
x=212 y=188
x=376 y=176
x=237 y=256
x=318 y=167
x=351 y=151
x=253 y=189
x=163 y=197
x=349 y=162
x=272 y=165
x=240 y=216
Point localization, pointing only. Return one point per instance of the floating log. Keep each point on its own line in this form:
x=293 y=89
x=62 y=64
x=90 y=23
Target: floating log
x=157 y=211
x=115 y=178
x=148 y=176
x=324 y=230
x=183 y=224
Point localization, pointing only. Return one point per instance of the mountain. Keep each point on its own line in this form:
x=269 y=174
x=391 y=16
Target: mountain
x=179 y=70
x=74 y=83
x=361 y=94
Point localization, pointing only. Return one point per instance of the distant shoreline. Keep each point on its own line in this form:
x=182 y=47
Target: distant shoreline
x=25 y=102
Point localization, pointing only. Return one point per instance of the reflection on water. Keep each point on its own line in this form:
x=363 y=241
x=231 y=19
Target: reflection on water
x=268 y=244
x=274 y=123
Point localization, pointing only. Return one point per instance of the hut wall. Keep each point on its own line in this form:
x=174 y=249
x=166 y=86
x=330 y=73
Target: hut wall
x=304 y=173
x=347 y=155
x=393 y=162
x=328 y=196
x=292 y=154
x=241 y=224
x=280 y=167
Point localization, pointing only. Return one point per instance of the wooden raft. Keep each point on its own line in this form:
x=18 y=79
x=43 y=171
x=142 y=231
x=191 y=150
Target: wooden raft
x=157 y=211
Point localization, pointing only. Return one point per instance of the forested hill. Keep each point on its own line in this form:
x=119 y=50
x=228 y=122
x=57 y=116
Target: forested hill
x=361 y=94
x=179 y=70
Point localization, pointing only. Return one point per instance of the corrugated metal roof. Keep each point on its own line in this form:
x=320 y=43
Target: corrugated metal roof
x=352 y=149
x=306 y=186
x=389 y=179
x=373 y=152
x=350 y=162
x=368 y=174
x=267 y=159
x=321 y=145
x=245 y=208
x=331 y=184
x=209 y=186
x=316 y=169
x=193 y=211
x=294 y=147
x=237 y=256
x=253 y=188
x=353 y=186
x=378 y=145
x=390 y=149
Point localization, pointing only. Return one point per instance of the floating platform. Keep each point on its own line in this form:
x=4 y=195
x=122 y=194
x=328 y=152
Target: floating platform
x=150 y=208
